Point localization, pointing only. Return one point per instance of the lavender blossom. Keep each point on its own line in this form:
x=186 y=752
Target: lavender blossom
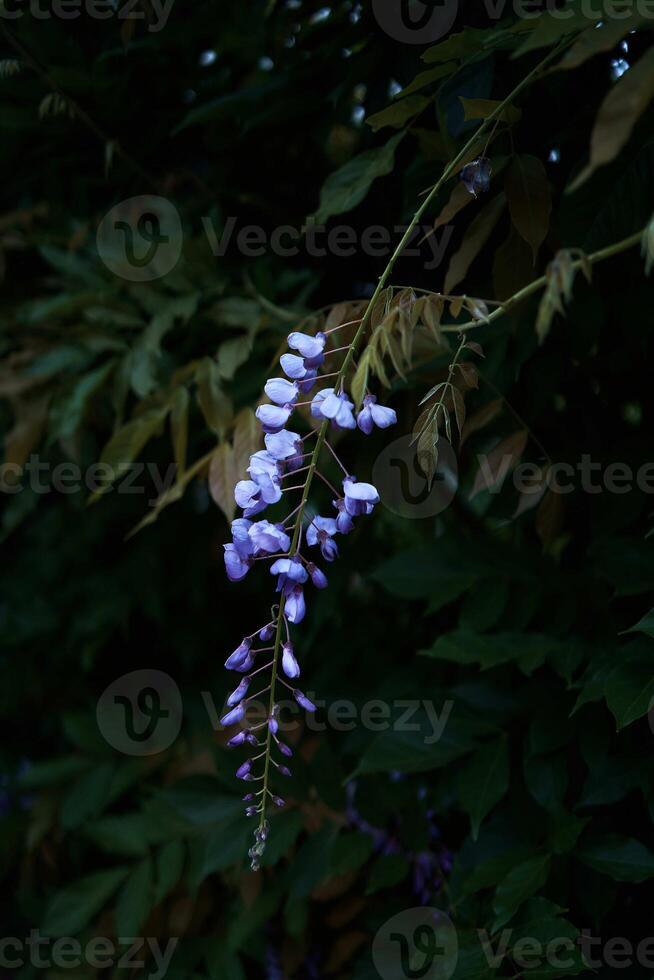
x=336 y=408
x=477 y=175
x=273 y=418
x=282 y=544
x=290 y=572
x=240 y=654
x=360 y=498
x=236 y=714
x=290 y=665
x=373 y=414
x=281 y=392
x=317 y=576
x=295 y=608
x=239 y=693
x=293 y=366
x=235 y=566
x=309 y=348
x=268 y=538
x=321 y=531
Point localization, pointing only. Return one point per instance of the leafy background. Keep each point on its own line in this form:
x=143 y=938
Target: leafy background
x=535 y=808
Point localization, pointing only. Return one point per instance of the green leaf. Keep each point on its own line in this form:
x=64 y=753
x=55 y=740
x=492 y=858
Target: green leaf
x=484 y=780
x=645 y=625
x=620 y=858
x=223 y=964
x=135 y=900
x=179 y=427
x=41 y=774
x=169 y=866
x=123 y=447
x=68 y=411
x=418 y=746
x=398 y=113
x=529 y=650
x=519 y=885
x=348 y=186
x=214 y=403
x=126 y=834
x=71 y=909
x=421 y=572
x=387 y=871
x=349 y=852
x=629 y=692
x=87 y=797
x=425 y=78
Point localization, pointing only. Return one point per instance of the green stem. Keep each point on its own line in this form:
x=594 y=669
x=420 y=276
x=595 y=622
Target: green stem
x=538 y=284
x=347 y=361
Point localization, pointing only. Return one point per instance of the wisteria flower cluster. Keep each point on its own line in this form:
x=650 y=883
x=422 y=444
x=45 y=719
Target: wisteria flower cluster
x=286 y=466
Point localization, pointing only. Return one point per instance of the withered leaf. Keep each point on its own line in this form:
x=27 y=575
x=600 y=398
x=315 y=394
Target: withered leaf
x=529 y=194
x=618 y=114
x=482 y=418
x=223 y=478
x=474 y=240
x=495 y=466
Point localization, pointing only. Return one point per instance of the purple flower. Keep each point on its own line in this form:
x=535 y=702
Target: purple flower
x=284 y=770
x=240 y=739
x=307 y=347
x=284 y=749
x=291 y=572
x=295 y=607
x=236 y=714
x=240 y=655
x=373 y=414
x=293 y=366
x=285 y=446
x=273 y=418
x=278 y=801
x=255 y=495
x=290 y=665
x=476 y=176
x=239 y=693
x=269 y=538
x=264 y=463
x=244 y=770
x=344 y=523
x=266 y=633
x=303 y=701
x=360 y=498
x=318 y=577
x=321 y=531
x=280 y=391
x=251 y=811
x=240 y=537
x=337 y=408
x=273 y=725
x=235 y=566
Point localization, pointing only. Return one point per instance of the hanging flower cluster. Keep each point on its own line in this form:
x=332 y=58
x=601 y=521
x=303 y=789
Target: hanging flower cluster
x=283 y=467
